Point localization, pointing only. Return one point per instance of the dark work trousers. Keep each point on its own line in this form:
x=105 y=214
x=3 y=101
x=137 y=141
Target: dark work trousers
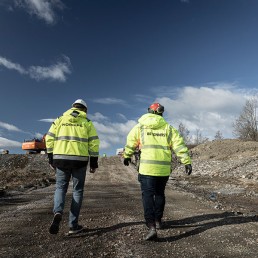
x=153 y=196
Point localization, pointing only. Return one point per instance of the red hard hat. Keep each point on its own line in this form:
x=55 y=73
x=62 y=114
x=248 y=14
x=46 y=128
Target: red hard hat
x=156 y=108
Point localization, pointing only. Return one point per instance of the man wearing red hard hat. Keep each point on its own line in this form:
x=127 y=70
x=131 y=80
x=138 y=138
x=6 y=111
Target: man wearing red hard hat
x=156 y=139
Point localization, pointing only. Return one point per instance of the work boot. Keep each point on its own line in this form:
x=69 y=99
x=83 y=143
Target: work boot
x=75 y=230
x=159 y=224
x=152 y=234
x=54 y=228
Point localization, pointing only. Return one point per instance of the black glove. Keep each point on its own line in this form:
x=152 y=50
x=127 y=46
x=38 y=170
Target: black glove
x=94 y=162
x=50 y=161
x=188 y=169
x=50 y=158
x=126 y=161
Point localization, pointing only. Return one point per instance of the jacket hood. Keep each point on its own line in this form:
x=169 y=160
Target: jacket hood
x=74 y=115
x=152 y=121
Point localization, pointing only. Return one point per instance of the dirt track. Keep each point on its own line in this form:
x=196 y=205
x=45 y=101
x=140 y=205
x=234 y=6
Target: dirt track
x=113 y=216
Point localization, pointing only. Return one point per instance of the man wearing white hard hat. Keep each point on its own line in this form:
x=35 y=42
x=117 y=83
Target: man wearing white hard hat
x=80 y=101
x=72 y=142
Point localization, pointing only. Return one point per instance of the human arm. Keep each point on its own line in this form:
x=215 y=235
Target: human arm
x=132 y=141
x=181 y=150
x=93 y=146
x=50 y=139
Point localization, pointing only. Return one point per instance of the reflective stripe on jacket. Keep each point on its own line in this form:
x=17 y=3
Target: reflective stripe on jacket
x=156 y=140
x=72 y=137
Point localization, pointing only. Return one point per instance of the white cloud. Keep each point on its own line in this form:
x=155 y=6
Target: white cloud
x=9 y=127
x=111 y=134
x=97 y=117
x=47 y=120
x=110 y=101
x=43 y=9
x=206 y=108
x=106 y=129
x=56 y=72
x=12 y=66
x=123 y=117
x=6 y=143
x=104 y=144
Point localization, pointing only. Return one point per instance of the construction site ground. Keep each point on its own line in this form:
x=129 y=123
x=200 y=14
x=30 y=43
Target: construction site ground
x=211 y=213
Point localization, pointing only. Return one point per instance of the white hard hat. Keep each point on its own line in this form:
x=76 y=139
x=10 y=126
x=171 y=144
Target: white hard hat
x=80 y=101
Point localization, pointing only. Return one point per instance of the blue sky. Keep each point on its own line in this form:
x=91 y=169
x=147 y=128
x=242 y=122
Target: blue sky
x=199 y=58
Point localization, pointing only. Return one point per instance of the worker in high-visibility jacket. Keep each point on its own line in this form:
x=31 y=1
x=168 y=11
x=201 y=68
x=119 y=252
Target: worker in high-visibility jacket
x=156 y=140
x=72 y=142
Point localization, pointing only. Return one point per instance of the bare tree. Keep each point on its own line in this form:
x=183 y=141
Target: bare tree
x=245 y=126
x=184 y=132
x=199 y=138
x=218 y=135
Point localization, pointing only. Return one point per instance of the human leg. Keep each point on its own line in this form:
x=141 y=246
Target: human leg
x=160 y=198
x=148 y=191
x=62 y=183
x=78 y=177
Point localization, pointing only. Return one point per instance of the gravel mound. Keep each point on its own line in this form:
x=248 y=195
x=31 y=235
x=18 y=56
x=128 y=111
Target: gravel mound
x=25 y=171
x=225 y=149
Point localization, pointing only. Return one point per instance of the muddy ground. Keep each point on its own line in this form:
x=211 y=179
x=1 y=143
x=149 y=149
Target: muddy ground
x=211 y=213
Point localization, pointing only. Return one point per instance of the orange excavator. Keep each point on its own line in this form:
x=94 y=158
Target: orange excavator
x=35 y=145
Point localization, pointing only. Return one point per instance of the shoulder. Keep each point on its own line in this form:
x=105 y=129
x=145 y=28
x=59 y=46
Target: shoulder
x=57 y=120
x=137 y=126
x=88 y=123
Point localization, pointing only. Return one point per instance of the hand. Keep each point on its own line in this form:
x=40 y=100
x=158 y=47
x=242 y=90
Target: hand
x=188 y=169
x=126 y=161
x=92 y=170
x=50 y=158
x=93 y=162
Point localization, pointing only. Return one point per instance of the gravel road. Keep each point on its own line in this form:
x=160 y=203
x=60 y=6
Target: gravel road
x=113 y=218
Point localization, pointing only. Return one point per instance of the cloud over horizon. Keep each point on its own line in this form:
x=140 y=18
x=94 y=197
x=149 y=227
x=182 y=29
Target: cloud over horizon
x=6 y=143
x=10 y=127
x=209 y=109
x=112 y=134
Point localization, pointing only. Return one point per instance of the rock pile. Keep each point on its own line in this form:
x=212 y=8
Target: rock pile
x=225 y=158
x=25 y=171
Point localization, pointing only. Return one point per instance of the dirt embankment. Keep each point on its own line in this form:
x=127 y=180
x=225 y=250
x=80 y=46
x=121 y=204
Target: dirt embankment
x=225 y=172
x=25 y=172
x=211 y=213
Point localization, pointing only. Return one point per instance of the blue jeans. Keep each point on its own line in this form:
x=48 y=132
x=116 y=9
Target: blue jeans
x=62 y=182
x=153 y=196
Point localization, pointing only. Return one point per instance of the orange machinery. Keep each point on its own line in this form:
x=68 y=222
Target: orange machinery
x=34 y=145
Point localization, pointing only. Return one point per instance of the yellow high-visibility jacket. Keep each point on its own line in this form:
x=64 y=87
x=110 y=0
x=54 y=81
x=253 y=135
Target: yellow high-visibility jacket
x=156 y=139
x=72 y=137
